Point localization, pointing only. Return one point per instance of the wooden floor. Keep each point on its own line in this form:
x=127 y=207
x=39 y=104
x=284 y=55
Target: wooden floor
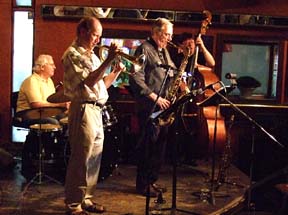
x=117 y=192
x=23 y=193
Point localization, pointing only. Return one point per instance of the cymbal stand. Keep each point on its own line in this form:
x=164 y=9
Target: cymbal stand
x=38 y=178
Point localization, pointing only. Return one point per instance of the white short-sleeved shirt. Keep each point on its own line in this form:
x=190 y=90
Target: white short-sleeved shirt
x=78 y=64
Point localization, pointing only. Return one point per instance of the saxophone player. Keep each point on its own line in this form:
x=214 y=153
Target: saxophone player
x=146 y=85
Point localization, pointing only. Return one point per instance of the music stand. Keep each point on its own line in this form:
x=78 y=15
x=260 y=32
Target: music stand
x=175 y=108
x=153 y=118
x=40 y=113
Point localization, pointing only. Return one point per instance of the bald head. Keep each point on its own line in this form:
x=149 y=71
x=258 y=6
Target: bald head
x=86 y=24
x=89 y=32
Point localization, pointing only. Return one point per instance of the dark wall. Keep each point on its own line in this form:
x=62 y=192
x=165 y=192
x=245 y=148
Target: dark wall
x=5 y=69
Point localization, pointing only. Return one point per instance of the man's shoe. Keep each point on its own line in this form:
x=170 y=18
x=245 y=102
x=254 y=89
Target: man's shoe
x=93 y=208
x=69 y=212
x=159 y=188
x=144 y=192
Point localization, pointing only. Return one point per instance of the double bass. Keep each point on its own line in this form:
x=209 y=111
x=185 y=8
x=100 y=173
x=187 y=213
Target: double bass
x=207 y=124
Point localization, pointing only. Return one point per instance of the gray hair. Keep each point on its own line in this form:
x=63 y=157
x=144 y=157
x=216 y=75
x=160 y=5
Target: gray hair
x=159 y=23
x=41 y=61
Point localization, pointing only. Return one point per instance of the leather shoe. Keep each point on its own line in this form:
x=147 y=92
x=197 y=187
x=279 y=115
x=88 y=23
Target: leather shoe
x=144 y=191
x=69 y=212
x=93 y=207
x=159 y=188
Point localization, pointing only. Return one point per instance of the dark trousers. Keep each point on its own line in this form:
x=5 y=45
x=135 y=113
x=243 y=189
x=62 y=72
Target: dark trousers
x=150 y=152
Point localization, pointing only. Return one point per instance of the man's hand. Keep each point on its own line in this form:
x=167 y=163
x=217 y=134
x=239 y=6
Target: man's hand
x=119 y=67
x=163 y=103
x=112 y=51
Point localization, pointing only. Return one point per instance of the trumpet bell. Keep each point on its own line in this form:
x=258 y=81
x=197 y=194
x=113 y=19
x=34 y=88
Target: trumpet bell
x=137 y=62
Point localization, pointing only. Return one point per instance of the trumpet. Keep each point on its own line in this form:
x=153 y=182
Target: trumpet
x=138 y=62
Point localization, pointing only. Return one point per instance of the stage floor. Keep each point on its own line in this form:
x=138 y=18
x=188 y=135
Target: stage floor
x=117 y=192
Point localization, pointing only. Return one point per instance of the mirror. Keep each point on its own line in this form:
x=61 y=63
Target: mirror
x=63 y=11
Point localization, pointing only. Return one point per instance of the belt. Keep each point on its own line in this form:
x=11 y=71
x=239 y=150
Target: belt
x=94 y=103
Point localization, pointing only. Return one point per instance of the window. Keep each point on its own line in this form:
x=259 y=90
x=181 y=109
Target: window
x=25 y=3
x=22 y=57
x=255 y=59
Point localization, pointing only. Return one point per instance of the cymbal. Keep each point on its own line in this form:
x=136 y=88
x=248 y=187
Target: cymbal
x=39 y=113
x=58 y=97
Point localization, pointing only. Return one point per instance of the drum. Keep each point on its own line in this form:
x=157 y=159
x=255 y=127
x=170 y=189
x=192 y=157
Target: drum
x=45 y=128
x=64 y=123
x=108 y=116
x=44 y=140
x=111 y=154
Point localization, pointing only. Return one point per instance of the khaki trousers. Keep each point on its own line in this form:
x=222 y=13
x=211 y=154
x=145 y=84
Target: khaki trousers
x=86 y=137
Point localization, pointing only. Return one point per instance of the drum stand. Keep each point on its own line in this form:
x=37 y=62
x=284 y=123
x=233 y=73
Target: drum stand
x=39 y=176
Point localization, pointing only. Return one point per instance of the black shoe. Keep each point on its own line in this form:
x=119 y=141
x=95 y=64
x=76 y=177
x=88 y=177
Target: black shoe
x=144 y=191
x=76 y=213
x=159 y=188
x=93 y=208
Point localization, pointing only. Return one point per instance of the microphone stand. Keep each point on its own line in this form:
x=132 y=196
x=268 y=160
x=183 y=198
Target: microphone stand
x=254 y=125
x=249 y=118
x=147 y=148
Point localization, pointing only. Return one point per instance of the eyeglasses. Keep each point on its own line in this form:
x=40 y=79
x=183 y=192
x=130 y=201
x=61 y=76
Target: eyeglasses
x=167 y=35
x=51 y=64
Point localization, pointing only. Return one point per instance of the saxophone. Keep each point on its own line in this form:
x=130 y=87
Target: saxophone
x=226 y=158
x=167 y=118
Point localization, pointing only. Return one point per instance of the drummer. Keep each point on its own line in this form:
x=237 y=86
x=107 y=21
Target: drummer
x=35 y=90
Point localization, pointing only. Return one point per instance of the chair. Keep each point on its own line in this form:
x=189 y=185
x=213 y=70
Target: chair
x=16 y=121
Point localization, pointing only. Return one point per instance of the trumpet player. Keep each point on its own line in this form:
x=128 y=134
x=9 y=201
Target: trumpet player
x=146 y=87
x=85 y=83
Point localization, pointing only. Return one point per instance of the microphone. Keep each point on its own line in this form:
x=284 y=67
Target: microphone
x=231 y=76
